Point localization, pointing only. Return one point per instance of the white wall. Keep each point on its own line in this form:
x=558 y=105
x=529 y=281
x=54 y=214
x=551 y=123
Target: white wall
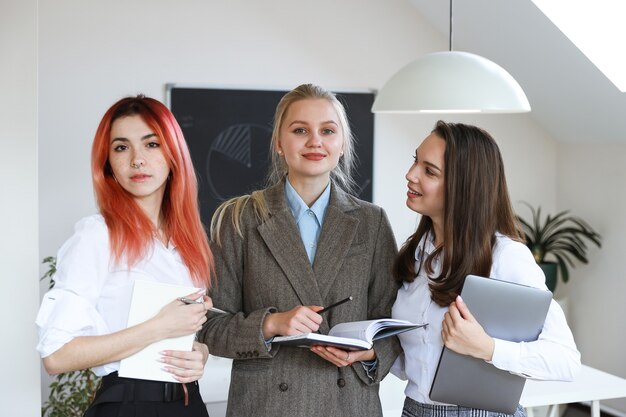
x=92 y=53
x=591 y=185
x=19 y=389
x=104 y=50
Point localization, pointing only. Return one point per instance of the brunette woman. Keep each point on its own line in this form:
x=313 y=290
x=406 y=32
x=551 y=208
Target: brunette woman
x=457 y=183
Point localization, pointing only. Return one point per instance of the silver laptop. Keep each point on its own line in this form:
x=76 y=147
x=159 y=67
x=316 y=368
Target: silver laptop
x=506 y=311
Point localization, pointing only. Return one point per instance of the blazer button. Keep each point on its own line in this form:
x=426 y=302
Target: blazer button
x=283 y=386
x=341 y=382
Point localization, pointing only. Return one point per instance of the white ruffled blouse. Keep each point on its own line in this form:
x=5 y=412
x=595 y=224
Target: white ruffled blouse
x=91 y=296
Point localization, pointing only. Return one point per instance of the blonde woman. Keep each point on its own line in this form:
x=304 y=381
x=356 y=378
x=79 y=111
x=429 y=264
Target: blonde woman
x=284 y=252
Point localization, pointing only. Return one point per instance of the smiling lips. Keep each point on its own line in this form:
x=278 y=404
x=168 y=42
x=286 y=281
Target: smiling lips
x=413 y=194
x=314 y=156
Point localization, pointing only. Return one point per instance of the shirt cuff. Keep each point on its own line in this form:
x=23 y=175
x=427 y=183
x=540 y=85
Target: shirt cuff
x=506 y=356
x=370 y=368
x=268 y=342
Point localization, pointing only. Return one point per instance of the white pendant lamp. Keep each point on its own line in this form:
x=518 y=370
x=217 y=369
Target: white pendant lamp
x=451 y=82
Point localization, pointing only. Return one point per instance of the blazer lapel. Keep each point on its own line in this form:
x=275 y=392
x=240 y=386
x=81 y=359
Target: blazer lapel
x=338 y=233
x=282 y=237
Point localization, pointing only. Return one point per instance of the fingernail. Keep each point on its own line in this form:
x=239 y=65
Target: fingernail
x=458 y=297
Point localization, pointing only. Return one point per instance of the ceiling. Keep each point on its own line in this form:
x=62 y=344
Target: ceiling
x=568 y=95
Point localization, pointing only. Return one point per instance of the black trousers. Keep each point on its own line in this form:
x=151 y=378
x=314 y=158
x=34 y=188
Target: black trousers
x=129 y=397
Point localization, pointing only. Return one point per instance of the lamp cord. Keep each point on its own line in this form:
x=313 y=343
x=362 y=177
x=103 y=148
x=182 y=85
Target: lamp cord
x=450 y=28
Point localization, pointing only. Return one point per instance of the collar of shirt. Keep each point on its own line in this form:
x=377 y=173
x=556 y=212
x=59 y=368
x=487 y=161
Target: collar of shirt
x=425 y=246
x=299 y=208
x=170 y=246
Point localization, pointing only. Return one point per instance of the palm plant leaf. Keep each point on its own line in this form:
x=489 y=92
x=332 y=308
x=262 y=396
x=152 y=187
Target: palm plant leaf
x=567 y=247
x=552 y=224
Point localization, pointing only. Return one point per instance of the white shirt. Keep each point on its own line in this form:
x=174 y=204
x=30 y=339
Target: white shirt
x=92 y=295
x=553 y=356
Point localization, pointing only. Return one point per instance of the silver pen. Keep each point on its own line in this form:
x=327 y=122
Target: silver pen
x=190 y=301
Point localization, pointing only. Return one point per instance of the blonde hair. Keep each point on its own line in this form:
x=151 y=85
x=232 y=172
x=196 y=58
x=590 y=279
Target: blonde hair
x=238 y=204
x=341 y=175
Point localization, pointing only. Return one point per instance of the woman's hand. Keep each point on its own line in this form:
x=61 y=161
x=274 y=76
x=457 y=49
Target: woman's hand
x=180 y=319
x=462 y=334
x=298 y=320
x=186 y=366
x=340 y=358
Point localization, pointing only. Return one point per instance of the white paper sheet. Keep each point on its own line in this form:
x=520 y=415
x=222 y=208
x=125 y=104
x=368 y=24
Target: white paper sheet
x=147 y=300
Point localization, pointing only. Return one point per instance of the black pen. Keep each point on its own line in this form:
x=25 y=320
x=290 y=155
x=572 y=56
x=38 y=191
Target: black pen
x=190 y=301
x=325 y=309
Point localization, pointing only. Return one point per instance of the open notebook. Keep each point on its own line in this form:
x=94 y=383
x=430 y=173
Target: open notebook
x=354 y=335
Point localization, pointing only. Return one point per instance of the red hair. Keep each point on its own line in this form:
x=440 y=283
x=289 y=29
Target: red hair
x=130 y=230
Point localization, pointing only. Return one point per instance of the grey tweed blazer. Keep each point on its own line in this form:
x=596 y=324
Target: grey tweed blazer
x=268 y=270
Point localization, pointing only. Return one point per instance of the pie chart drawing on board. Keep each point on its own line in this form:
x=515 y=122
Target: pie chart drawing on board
x=237 y=158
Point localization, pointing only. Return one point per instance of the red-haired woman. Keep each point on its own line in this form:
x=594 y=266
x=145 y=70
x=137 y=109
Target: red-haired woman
x=148 y=228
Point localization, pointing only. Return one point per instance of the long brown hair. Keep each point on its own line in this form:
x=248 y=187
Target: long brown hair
x=130 y=230
x=477 y=205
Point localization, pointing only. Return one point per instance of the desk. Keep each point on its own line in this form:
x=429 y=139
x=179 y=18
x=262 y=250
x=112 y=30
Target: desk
x=590 y=385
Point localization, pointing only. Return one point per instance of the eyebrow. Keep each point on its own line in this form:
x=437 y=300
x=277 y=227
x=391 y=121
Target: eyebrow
x=145 y=137
x=306 y=123
x=430 y=164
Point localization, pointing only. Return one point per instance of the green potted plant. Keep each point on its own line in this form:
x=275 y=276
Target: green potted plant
x=562 y=237
x=70 y=392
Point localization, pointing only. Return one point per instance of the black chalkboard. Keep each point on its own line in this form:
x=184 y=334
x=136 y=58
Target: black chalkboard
x=228 y=132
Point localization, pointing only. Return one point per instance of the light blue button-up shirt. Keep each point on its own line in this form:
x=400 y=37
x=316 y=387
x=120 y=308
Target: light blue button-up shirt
x=308 y=219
